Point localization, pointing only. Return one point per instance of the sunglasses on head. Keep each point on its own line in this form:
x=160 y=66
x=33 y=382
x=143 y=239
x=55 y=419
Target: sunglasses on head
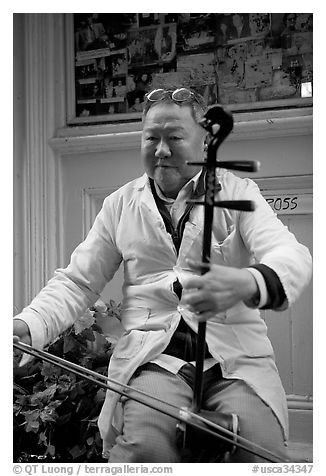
x=178 y=95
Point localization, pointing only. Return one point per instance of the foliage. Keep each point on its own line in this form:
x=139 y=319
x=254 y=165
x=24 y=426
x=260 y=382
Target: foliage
x=55 y=412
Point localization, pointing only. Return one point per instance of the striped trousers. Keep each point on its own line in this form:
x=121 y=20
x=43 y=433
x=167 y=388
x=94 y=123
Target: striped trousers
x=150 y=437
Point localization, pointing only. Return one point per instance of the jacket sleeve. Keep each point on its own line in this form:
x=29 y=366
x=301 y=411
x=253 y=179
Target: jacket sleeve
x=272 y=244
x=73 y=289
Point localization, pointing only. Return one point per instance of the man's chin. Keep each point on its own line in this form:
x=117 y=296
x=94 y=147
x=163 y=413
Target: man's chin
x=167 y=180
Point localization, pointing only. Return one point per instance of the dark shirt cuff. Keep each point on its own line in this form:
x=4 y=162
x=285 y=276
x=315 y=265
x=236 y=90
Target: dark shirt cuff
x=276 y=294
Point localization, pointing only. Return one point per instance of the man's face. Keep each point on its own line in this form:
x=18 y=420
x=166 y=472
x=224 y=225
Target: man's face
x=170 y=138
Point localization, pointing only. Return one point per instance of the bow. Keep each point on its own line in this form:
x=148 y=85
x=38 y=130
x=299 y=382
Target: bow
x=181 y=414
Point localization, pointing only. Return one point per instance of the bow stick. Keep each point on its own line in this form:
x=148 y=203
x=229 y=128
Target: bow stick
x=182 y=414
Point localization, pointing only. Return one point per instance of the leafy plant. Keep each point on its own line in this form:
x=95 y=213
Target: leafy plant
x=55 y=412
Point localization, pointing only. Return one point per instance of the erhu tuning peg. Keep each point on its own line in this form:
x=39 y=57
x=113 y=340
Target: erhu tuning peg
x=240 y=205
x=240 y=165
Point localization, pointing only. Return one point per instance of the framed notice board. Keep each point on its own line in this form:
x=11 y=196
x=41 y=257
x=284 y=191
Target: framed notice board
x=247 y=61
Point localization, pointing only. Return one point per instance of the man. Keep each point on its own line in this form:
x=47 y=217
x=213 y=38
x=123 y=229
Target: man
x=255 y=263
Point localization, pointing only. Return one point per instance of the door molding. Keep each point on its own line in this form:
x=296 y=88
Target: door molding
x=41 y=231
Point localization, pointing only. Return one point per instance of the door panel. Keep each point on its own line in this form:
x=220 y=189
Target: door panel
x=291 y=331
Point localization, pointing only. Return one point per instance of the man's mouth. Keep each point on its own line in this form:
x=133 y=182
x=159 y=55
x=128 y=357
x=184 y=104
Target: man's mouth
x=165 y=166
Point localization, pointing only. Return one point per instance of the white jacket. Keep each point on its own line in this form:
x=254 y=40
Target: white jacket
x=130 y=228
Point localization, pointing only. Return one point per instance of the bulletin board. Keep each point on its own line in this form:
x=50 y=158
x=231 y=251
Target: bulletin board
x=246 y=61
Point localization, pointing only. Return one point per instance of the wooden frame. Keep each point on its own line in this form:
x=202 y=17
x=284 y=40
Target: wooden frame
x=255 y=71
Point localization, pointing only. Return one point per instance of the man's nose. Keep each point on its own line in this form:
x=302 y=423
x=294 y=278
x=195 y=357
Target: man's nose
x=162 y=150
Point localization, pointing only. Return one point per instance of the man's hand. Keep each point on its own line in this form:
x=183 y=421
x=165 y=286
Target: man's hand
x=22 y=334
x=220 y=288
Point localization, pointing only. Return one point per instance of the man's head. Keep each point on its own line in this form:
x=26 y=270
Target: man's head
x=171 y=137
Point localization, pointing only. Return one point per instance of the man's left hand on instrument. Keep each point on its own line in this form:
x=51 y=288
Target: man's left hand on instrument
x=220 y=288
